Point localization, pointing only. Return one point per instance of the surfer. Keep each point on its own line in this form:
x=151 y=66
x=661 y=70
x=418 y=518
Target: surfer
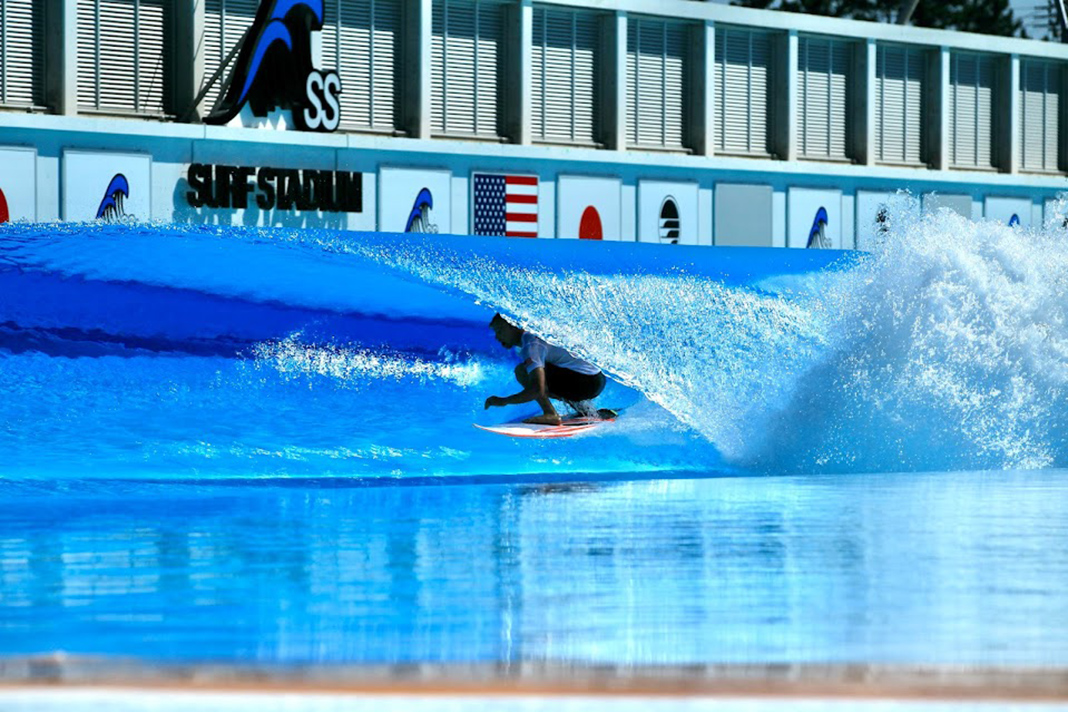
x=546 y=372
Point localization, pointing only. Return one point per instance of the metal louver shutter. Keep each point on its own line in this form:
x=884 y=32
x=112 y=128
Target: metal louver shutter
x=900 y=77
x=1040 y=99
x=655 y=83
x=741 y=65
x=823 y=105
x=225 y=24
x=564 y=65
x=360 y=40
x=20 y=52
x=465 y=59
x=123 y=55
x=971 y=111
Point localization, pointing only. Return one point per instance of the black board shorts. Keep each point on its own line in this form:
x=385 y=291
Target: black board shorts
x=565 y=384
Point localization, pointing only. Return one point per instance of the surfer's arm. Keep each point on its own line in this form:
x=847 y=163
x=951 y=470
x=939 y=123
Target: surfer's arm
x=536 y=390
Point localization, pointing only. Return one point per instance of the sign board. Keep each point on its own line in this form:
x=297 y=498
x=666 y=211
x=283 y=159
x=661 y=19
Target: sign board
x=106 y=186
x=743 y=215
x=588 y=208
x=18 y=184
x=414 y=200
x=505 y=204
x=872 y=207
x=1009 y=211
x=960 y=204
x=667 y=213
x=274 y=70
x=814 y=218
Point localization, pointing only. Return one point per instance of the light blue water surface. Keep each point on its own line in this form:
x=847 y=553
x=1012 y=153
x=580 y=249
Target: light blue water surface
x=256 y=446
x=931 y=568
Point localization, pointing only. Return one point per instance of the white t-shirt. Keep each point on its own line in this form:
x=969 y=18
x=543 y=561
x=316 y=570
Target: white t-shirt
x=536 y=353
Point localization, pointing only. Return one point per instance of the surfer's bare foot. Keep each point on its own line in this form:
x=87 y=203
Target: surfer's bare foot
x=544 y=420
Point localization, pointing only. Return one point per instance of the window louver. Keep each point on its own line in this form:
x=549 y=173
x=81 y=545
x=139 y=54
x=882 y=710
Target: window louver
x=656 y=71
x=971 y=111
x=823 y=103
x=466 y=53
x=360 y=41
x=899 y=88
x=565 y=62
x=20 y=53
x=1040 y=105
x=123 y=55
x=225 y=24
x=741 y=65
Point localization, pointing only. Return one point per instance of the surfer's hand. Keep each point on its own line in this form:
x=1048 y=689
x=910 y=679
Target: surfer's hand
x=544 y=420
x=492 y=401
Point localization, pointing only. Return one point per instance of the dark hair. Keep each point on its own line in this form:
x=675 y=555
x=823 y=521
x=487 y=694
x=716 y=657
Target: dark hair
x=499 y=319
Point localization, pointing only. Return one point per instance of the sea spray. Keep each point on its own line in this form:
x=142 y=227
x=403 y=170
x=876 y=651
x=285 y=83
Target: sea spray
x=948 y=349
x=714 y=356
x=358 y=367
x=945 y=349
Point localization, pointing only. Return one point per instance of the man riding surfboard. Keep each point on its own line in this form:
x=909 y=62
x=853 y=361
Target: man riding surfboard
x=546 y=372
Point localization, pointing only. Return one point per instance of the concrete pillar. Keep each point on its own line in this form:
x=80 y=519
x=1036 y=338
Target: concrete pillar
x=188 y=61
x=703 y=90
x=784 y=98
x=1007 y=114
x=939 y=95
x=519 y=38
x=865 y=91
x=614 y=80
x=416 y=57
x=61 y=53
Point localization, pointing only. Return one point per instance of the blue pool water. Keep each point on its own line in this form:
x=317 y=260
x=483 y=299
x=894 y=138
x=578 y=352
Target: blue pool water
x=235 y=445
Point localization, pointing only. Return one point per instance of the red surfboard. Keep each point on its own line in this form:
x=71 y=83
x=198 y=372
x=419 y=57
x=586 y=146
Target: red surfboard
x=567 y=428
x=590 y=225
x=4 y=214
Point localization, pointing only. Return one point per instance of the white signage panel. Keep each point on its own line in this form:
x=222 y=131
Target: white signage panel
x=106 y=186
x=814 y=218
x=872 y=207
x=18 y=184
x=414 y=200
x=667 y=213
x=589 y=208
x=1009 y=211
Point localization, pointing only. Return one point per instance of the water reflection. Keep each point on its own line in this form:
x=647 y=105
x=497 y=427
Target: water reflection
x=944 y=568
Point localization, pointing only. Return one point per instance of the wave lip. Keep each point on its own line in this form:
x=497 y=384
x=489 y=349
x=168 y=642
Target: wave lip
x=948 y=349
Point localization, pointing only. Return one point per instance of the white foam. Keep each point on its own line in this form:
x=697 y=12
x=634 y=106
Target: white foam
x=946 y=349
x=357 y=366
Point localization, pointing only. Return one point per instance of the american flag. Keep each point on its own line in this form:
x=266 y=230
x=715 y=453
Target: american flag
x=506 y=205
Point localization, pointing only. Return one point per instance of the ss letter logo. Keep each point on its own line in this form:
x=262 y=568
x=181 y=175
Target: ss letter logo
x=322 y=111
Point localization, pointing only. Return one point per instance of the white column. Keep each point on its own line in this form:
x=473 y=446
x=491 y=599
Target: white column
x=416 y=111
x=942 y=94
x=524 y=68
x=1008 y=139
x=867 y=151
x=703 y=115
x=615 y=81
x=785 y=92
x=189 y=59
x=61 y=47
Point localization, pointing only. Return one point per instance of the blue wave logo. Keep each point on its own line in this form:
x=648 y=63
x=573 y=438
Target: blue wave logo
x=817 y=235
x=274 y=62
x=419 y=217
x=1014 y=220
x=111 y=206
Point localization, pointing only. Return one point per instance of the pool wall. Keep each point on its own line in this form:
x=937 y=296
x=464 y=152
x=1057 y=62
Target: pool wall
x=62 y=168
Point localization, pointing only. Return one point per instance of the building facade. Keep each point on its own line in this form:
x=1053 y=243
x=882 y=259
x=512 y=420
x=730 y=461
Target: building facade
x=671 y=122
